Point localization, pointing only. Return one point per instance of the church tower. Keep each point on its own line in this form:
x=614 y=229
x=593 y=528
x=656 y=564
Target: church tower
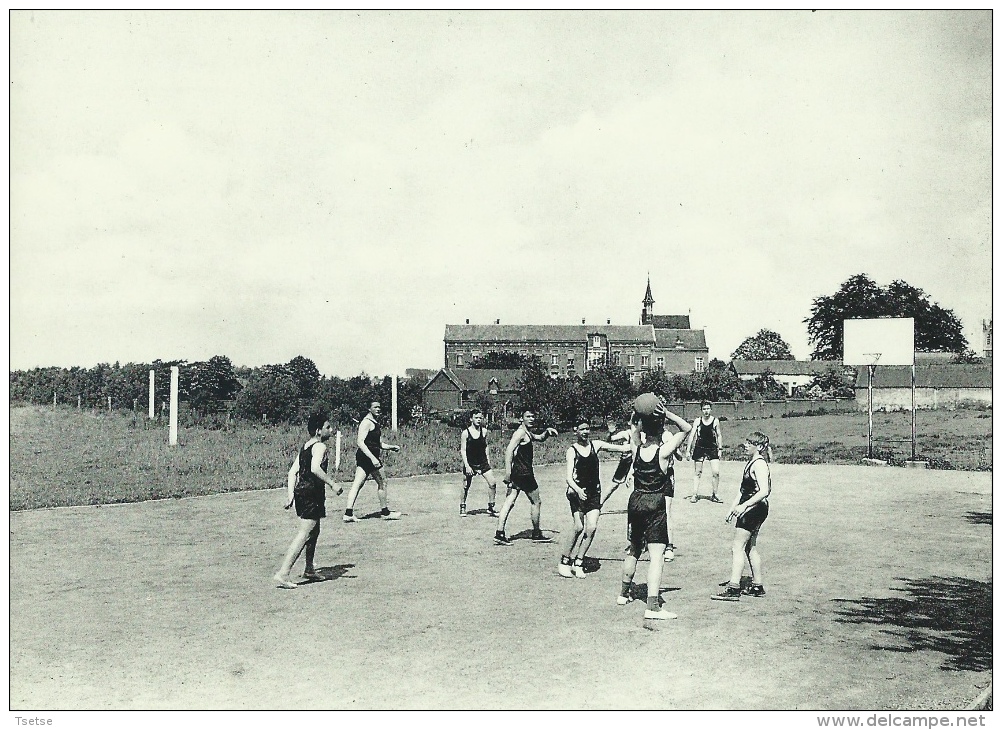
x=647 y=314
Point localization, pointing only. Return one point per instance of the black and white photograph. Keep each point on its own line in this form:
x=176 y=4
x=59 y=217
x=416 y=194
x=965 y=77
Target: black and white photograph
x=501 y=360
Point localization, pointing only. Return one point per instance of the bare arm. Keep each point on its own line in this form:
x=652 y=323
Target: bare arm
x=316 y=466
x=691 y=445
x=467 y=469
x=569 y=474
x=544 y=435
x=720 y=436
x=606 y=446
x=509 y=453
x=363 y=430
x=292 y=480
x=684 y=428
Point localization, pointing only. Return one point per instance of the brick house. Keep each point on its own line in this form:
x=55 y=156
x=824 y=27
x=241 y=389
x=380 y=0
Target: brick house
x=788 y=373
x=664 y=342
x=451 y=389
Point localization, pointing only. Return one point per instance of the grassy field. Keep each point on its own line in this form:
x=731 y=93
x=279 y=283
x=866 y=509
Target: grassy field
x=879 y=598
x=64 y=457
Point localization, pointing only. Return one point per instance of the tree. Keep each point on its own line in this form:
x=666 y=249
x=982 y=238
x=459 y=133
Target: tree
x=210 y=383
x=936 y=329
x=306 y=375
x=603 y=391
x=269 y=392
x=835 y=382
x=764 y=345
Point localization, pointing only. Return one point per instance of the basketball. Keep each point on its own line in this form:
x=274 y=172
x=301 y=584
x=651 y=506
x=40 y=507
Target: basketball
x=646 y=405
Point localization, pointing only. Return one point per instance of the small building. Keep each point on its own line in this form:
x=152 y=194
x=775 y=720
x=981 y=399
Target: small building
x=788 y=373
x=986 y=338
x=936 y=386
x=457 y=389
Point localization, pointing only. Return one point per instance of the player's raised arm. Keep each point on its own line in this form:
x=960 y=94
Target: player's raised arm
x=684 y=429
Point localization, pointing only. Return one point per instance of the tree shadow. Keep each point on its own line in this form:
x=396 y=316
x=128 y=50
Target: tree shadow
x=950 y=615
x=979 y=518
x=332 y=572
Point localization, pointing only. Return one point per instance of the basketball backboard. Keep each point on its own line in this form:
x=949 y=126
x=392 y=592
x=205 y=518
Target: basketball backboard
x=878 y=341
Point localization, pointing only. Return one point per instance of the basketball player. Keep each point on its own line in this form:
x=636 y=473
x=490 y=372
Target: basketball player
x=473 y=449
x=367 y=464
x=520 y=477
x=705 y=444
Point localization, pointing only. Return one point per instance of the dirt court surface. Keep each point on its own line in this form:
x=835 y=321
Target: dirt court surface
x=878 y=580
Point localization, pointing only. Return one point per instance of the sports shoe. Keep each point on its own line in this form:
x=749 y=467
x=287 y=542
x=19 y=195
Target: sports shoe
x=623 y=600
x=462 y=510
x=501 y=539
x=350 y=518
x=692 y=498
x=540 y=537
x=730 y=593
x=648 y=614
x=391 y=515
x=669 y=553
x=753 y=590
x=565 y=570
x=716 y=499
x=578 y=571
x=491 y=512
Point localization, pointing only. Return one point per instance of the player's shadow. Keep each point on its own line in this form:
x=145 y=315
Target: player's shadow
x=613 y=512
x=474 y=512
x=979 y=518
x=950 y=615
x=371 y=516
x=332 y=572
x=527 y=534
x=638 y=591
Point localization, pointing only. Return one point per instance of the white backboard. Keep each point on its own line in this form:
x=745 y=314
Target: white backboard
x=878 y=341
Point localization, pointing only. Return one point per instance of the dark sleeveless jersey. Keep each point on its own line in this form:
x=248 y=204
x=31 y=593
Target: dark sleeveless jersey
x=647 y=475
x=586 y=468
x=374 y=439
x=521 y=462
x=476 y=448
x=306 y=476
x=749 y=487
x=705 y=435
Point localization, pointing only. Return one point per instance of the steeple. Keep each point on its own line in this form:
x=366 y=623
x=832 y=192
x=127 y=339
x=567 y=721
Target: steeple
x=647 y=315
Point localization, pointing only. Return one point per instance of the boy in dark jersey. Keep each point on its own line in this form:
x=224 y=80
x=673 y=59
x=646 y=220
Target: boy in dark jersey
x=307 y=479
x=520 y=477
x=473 y=449
x=749 y=511
x=705 y=444
x=584 y=492
x=647 y=512
x=367 y=463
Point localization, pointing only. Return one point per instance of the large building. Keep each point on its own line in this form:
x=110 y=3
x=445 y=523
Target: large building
x=664 y=342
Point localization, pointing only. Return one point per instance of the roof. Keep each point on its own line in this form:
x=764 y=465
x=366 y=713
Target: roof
x=927 y=376
x=668 y=339
x=783 y=367
x=499 y=333
x=478 y=379
x=670 y=321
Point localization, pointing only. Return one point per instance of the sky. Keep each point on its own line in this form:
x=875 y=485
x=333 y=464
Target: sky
x=342 y=185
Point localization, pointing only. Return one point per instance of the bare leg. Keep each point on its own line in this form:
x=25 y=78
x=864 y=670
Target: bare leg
x=466 y=488
x=535 y=508
x=356 y=485
x=509 y=502
x=294 y=551
x=738 y=555
x=380 y=480
x=574 y=535
x=657 y=551
x=590 y=528
x=492 y=487
x=715 y=475
x=755 y=560
x=697 y=473
x=311 y=549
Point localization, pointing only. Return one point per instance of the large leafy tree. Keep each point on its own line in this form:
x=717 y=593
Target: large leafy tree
x=936 y=329
x=305 y=373
x=763 y=345
x=603 y=391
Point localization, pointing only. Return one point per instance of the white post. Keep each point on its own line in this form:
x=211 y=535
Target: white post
x=53 y=400
x=393 y=380
x=152 y=393
x=174 y=375
x=109 y=404
x=337 y=451
x=79 y=399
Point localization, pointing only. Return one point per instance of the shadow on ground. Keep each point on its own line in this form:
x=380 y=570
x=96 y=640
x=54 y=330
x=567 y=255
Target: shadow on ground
x=979 y=518
x=332 y=572
x=949 y=615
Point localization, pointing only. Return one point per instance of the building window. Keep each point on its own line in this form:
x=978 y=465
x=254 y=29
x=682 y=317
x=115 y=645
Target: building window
x=645 y=361
x=596 y=341
x=629 y=360
x=459 y=359
x=661 y=363
x=570 y=362
x=553 y=359
x=699 y=364
x=616 y=357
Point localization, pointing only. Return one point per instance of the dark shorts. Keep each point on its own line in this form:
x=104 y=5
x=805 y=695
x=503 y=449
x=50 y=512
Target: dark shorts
x=752 y=519
x=310 y=503
x=524 y=482
x=705 y=451
x=623 y=469
x=647 y=519
x=592 y=501
x=364 y=461
x=480 y=468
